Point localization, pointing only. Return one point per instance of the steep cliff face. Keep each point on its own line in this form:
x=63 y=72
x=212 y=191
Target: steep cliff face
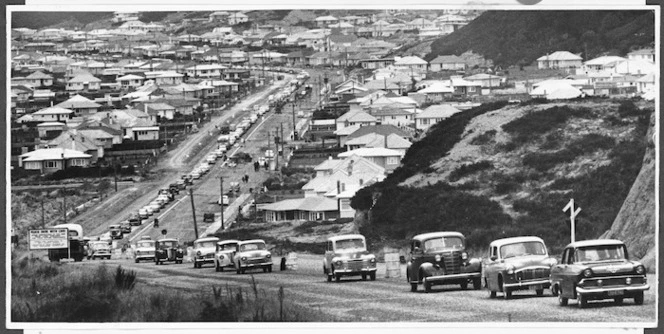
x=635 y=223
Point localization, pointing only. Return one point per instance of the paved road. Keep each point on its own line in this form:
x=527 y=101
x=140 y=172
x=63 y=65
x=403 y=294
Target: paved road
x=390 y=299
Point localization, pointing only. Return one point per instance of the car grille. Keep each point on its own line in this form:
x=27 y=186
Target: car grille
x=530 y=274
x=255 y=261
x=355 y=264
x=209 y=256
x=452 y=261
x=613 y=281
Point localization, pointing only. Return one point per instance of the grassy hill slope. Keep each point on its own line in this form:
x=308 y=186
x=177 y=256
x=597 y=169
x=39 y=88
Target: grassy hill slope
x=520 y=37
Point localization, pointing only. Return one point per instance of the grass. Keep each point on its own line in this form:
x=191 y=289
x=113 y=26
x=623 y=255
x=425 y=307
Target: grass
x=53 y=292
x=468 y=169
x=584 y=145
x=535 y=123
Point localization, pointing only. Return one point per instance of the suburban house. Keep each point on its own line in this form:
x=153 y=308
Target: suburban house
x=437 y=91
x=75 y=140
x=420 y=23
x=35 y=79
x=81 y=105
x=50 y=129
x=392 y=141
x=53 y=114
x=393 y=116
x=309 y=208
x=355 y=118
x=646 y=83
x=559 y=60
x=50 y=160
x=220 y=16
x=447 y=63
x=599 y=64
x=486 y=80
x=205 y=71
x=383 y=157
x=237 y=18
x=168 y=78
x=635 y=66
x=432 y=115
x=324 y=21
x=373 y=64
x=413 y=63
x=83 y=82
x=147 y=132
x=555 y=90
x=647 y=54
x=465 y=87
x=130 y=81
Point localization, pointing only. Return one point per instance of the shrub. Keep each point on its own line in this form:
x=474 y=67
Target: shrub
x=125 y=279
x=484 y=138
x=584 y=145
x=468 y=169
x=536 y=123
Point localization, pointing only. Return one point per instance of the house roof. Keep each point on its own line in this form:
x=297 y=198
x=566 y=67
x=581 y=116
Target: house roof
x=361 y=116
x=338 y=38
x=560 y=55
x=438 y=87
x=438 y=111
x=556 y=89
x=84 y=78
x=326 y=18
x=410 y=60
x=604 y=60
x=390 y=111
x=371 y=152
x=96 y=133
x=347 y=130
x=53 y=110
x=313 y=204
x=447 y=59
x=328 y=164
x=482 y=76
x=77 y=102
x=39 y=75
x=646 y=51
x=381 y=129
x=53 y=154
x=130 y=77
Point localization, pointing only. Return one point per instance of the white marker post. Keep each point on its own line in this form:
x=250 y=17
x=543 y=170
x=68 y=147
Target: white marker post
x=572 y=214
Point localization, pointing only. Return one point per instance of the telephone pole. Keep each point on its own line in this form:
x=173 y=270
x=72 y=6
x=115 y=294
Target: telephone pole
x=64 y=203
x=193 y=211
x=281 y=138
x=221 y=199
x=294 y=134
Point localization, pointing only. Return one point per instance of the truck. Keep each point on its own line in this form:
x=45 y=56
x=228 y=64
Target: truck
x=76 y=250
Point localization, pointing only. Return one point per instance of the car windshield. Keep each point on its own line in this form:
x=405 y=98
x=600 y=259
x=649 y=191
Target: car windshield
x=600 y=253
x=99 y=245
x=231 y=246
x=522 y=249
x=167 y=244
x=436 y=244
x=350 y=244
x=144 y=244
x=252 y=246
x=205 y=244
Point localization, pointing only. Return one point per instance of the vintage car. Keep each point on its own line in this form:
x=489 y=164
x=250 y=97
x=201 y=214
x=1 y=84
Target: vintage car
x=144 y=250
x=347 y=255
x=439 y=258
x=168 y=250
x=596 y=270
x=518 y=263
x=125 y=226
x=115 y=230
x=224 y=254
x=204 y=249
x=99 y=249
x=252 y=254
x=134 y=219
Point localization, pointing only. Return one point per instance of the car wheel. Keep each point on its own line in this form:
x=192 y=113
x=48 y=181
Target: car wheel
x=156 y=263
x=372 y=276
x=427 y=285
x=539 y=292
x=264 y=269
x=136 y=260
x=618 y=300
x=507 y=294
x=269 y=268
x=464 y=285
x=238 y=271
x=413 y=287
x=364 y=277
x=638 y=299
x=329 y=277
x=477 y=283
x=492 y=294
x=582 y=301
x=554 y=290
x=562 y=301
x=242 y=270
x=216 y=267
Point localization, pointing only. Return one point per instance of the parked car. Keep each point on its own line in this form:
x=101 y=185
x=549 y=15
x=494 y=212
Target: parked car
x=223 y=256
x=143 y=213
x=438 y=258
x=195 y=175
x=149 y=210
x=252 y=254
x=596 y=270
x=99 y=249
x=168 y=250
x=347 y=255
x=144 y=250
x=211 y=159
x=155 y=206
x=518 y=263
x=134 y=219
x=168 y=193
x=125 y=226
x=174 y=188
x=115 y=230
x=204 y=248
x=182 y=184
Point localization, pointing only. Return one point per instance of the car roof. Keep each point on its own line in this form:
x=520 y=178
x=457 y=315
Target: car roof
x=223 y=242
x=512 y=240
x=206 y=239
x=251 y=241
x=345 y=237
x=144 y=240
x=167 y=239
x=596 y=242
x=426 y=236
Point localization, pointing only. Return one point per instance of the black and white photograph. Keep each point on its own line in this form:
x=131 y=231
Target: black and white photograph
x=425 y=165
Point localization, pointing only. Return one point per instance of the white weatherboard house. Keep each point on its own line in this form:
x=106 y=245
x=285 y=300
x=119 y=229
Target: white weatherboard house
x=53 y=159
x=383 y=157
x=433 y=115
x=559 y=60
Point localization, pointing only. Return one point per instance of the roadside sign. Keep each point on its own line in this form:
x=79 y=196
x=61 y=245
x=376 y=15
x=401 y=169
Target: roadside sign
x=48 y=239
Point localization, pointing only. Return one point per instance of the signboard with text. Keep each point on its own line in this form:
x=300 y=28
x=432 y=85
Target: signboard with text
x=48 y=239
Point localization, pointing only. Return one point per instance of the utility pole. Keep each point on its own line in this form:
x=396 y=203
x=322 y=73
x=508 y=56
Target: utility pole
x=64 y=203
x=42 y=209
x=268 y=139
x=221 y=199
x=115 y=177
x=193 y=211
x=276 y=148
x=281 y=138
x=294 y=133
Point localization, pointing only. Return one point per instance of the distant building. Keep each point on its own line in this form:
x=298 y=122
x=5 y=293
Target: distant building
x=647 y=54
x=559 y=60
x=447 y=63
x=53 y=159
x=432 y=115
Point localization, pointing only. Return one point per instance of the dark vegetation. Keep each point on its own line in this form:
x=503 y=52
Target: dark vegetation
x=39 y=20
x=520 y=37
x=584 y=145
x=468 y=169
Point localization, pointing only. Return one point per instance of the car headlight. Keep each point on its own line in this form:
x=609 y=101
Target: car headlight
x=552 y=261
x=221 y=257
x=510 y=270
x=640 y=269
x=243 y=258
x=464 y=256
x=587 y=273
x=338 y=263
x=438 y=258
x=198 y=253
x=268 y=256
x=372 y=260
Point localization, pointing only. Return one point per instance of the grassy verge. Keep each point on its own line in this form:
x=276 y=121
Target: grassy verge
x=51 y=292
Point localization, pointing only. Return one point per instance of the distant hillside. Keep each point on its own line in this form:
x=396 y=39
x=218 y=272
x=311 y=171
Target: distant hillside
x=507 y=170
x=520 y=37
x=39 y=20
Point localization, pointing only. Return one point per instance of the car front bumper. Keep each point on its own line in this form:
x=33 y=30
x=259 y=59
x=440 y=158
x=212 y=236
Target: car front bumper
x=203 y=259
x=544 y=283
x=613 y=291
x=145 y=257
x=255 y=265
x=442 y=278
